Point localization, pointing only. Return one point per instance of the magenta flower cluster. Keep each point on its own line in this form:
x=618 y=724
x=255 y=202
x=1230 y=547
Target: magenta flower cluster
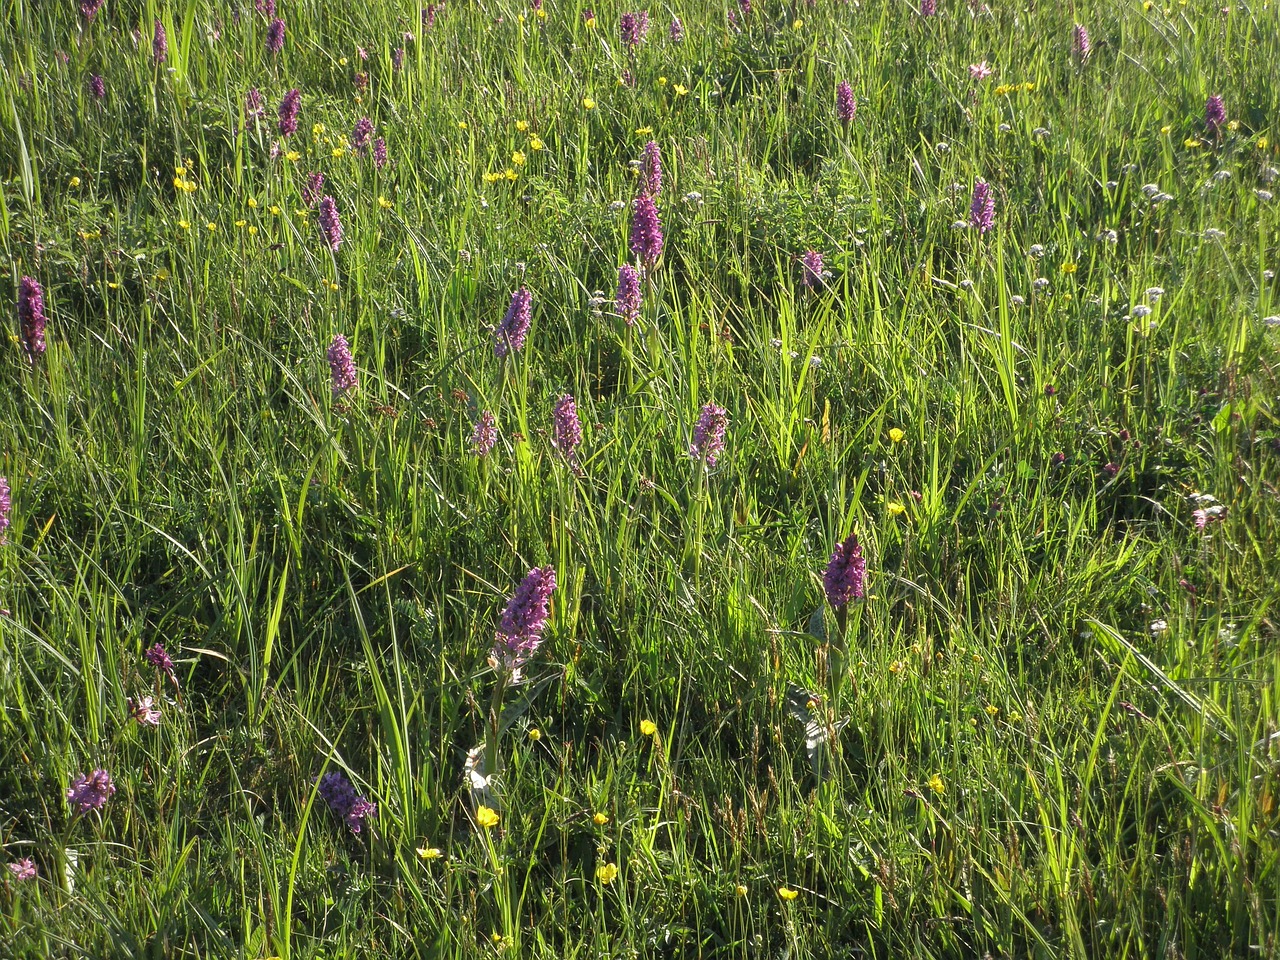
x=275 y=36
x=524 y=618
x=846 y=105
x=288 y=112
x=510 y=335
x=566 y=428
x=160 y=43
x=342 y=368
x=1081 y=45
x=982 y=208
x=813 y=269
x=846 y=570
x=362 y=135
x=484 y=435
x=91 y=791
x=31 y=318
x=336 y=791
x=1215 y=113
x=330 y=225
x=646 y=231
x=708 y=434
x=629 y=296
x=6 y=504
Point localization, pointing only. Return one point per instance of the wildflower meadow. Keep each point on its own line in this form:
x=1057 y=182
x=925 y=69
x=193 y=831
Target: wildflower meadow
x=748 y=479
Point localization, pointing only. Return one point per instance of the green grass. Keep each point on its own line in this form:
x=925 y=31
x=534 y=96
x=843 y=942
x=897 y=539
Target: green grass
x=329 y=573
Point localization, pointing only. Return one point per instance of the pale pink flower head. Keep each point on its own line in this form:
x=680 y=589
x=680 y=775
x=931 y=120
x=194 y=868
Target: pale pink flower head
x=979 y=71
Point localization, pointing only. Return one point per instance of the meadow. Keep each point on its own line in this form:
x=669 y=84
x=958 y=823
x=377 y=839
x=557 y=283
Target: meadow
x=506 y=478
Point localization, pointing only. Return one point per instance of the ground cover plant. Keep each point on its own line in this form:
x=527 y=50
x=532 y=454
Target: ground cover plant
x=669 y=480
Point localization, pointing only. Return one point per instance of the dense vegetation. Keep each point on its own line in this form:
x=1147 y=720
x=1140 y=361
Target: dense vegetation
x=1004 y=311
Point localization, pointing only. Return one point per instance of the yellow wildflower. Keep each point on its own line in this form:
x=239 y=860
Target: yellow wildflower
x=535 y=144
x=648 y=728
x=522 y=125
x=798 y=25
x=509 y=174
x=644 y=131
x=462 y=124
x=992 y=710
x=601 y=819
x=338 y=152
x=293 y=156
x=1167 y=129
x=518 y=158
x=342 y=61
x=606 y=873
x=786 y=893
x=492 y=177
x=1028 y=86
x=211 y=226
x=588 y=103
x=535 y=734
x=180 y=170
x=1233 y=125
x=1262 y=143
x=896 y=434
x=662 y=81
x=112 y=285
x=253 y=203
x=680 y=89
x=487 y=817
x=895 y=508
x=73 y=182
x=741 y=889
x=253 y=231
x=275 y=210
x=542 y=14
x=1015 y=716
x=1069 y=268
x=184 y=225
x=897 y=667
x=591 y=23
x=384 y=203
x=936 y=784
x=429 y=853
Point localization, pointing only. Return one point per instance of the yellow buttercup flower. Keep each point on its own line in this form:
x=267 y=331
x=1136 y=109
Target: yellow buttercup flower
x=535 y=143
x=384 y=203
x=487 y=817
x=522 y=125
x=798 y=25
x=429 y=853
x=518 y=158
x=895 y=508
x=591 y=23
x=648 y=728
x=1069 y=268
x=1191 y=143
x=1167 y=129
x=462 y=124
x=601 y=819
x=936 y=784
x=644 y=131
x=73 y=182
x=588 y=103
x=253 y=204
x=1028 y=86
x=896 y=435
x=535 y=734
x=662 y=81
x=786 y=893
x=680 y=89
x=897 y=667
x=741 y=889
x=241 y=223
x=275 y=210
x=542 y=14
x=338 y=152
x=184 y=225
x=180 y=170
x=606 y=873
x=509 y=174
x=1233 y=125
x=211 y=226
x=1262 y=143
x=293 y=156
x=492 y=177
x=342 y=61
x=253 y=231
x=992 y=710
